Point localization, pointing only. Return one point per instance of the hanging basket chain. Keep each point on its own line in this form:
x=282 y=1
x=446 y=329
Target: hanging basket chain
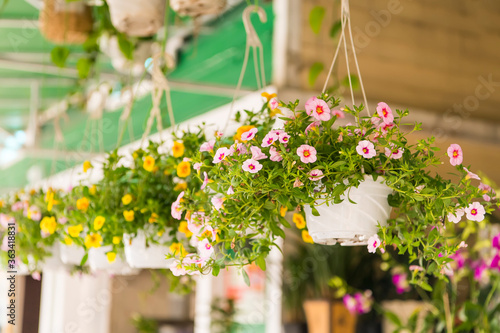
x=346 y=22
x=252 y=42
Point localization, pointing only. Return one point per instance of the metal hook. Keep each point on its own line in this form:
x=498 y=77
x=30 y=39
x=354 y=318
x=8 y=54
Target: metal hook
x=252 y=37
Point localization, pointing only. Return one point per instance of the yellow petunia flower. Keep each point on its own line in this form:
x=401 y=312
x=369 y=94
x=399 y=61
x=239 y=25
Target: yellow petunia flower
x=183 y=169
x=283 y=211
x=149 y=163
x=93 y=190
x=268 y=96
x=128 y=215
x=86 y=166
x=299 y=221
x=48 y=224
x=93 y=240
x=68 y=241
x=183 y=227
x=306 y=237
x=178 y=149
x=177 y=249
x=126 y=199
x=153 y=218
x=1 y=203
x=111 y=256
x=74 y=231
x=160 y=233
x=82 y=204
x=241 y=130
x=275 y=112
x=99 y=222
x=117 y=240
x=182 y=186
x=49 y=199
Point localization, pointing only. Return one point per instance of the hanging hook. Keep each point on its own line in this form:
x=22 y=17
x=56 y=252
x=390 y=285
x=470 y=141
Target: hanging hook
x=252 y=37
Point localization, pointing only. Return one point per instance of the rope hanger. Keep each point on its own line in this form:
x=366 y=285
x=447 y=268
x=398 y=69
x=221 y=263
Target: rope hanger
x=346 y=21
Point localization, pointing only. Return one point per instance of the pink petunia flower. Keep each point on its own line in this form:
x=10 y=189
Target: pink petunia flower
x=338 y=113
x=455 y=154
x=401 y=283
x=17 y=206
x=457 y=216
x=221 y=154
x=312 y=126
x=471 y=175
x=364 y=301
x=241 y=148
x=315 y=174
x=62 y=220
x=251 y=165
x=207 y=146
x=373 y=243
x=307 y=154
x=177 y=268
x=366 y=149
x=385 y=112
x=36 y=276
x=481 y=272
x=475 y=212
x=273 y=103
x=318 y=108
x=176 y=210
x=205 y=248
x=197 y=166
x=257 y=153
x=384 y=128
x=218 y=134
x=284 y=137
x=416 y=268
x=217 y=202
x=275 y=155
x=350 y=303
x=375 y=121
x=486 y=190
x=394 y=153
x=495 y=262
x=230 y=190
x=495 y=242
x=269 y=139
x=249 y=135
x=205 y=181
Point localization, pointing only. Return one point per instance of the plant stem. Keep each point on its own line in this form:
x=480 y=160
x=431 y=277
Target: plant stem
x=446 y=303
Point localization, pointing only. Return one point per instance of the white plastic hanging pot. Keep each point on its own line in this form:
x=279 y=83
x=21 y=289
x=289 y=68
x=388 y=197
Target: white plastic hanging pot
x=139 y=255
x=53 y=262
x=347 y=223
x=98 y=261
x=71 y=254
x=138 y=18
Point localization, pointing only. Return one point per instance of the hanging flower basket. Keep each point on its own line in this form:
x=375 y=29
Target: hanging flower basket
x=347 y=223
x=71 y=255
x=196 y=8
x=137 y=18
x=140 y=255
x=64 y=22
x=99 y=261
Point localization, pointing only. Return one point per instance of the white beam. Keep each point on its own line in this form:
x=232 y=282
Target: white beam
x=19 y=24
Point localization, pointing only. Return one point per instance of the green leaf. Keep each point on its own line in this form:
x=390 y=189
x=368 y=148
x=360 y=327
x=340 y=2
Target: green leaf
x=276 y=229
x=316 y=18
x=59 y=55
x=336 y=28
x=314 y=72
x=269 y=205
x=245 y=277
x=215 y=270
x=261 y=262
x=83 y=67
x=472 y=311
x=337 y=164
x=126 y=46
x=84 y=259
x=283 y=221
x=354 y=82
x=314 y=211
x=393 y=318
x=425 y=286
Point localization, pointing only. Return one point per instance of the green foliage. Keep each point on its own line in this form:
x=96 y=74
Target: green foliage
x=314 y=72
x=316 y=18
x=59 y=55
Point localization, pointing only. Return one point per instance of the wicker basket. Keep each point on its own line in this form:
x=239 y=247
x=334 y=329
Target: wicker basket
x=65 y=23
x=138 y=18
x=196 y=8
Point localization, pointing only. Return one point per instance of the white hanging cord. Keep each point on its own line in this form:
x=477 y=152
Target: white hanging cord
x=346 y=19
x=253 y=41
x=160 y=85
